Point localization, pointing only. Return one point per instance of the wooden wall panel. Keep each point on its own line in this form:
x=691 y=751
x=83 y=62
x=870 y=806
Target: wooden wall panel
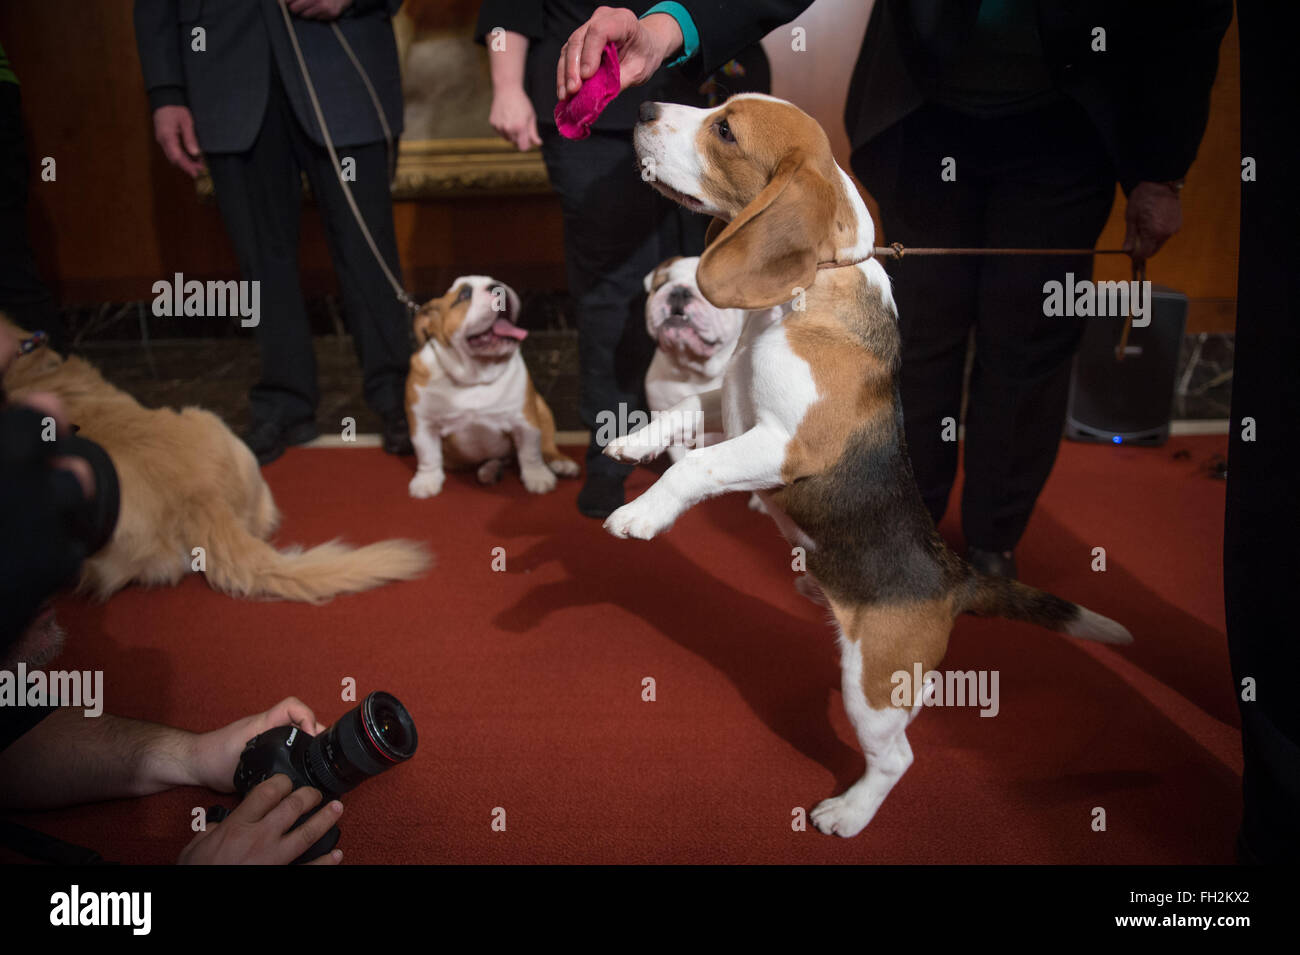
x=119 y=217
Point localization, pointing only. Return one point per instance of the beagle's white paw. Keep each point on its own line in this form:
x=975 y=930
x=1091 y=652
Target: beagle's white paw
x=426 y=484
x=539 y=479
x=840 y=816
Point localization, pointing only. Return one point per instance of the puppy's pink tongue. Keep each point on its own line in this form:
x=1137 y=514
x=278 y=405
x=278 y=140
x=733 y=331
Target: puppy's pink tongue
x=506 y=330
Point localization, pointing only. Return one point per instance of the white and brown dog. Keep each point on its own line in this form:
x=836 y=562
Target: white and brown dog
x=810 y=411
x=469 y=399
x=695 y=340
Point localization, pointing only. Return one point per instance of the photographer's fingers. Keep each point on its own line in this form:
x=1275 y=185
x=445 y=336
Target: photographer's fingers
x=329 y=858
x=304 y=837
x=262 y=799
x=299 y=802
x=293 y=711
x=187 y=854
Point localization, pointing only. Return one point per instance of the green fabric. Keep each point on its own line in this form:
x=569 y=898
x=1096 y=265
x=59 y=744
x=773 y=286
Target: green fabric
x=690 y=35
x=6 y=73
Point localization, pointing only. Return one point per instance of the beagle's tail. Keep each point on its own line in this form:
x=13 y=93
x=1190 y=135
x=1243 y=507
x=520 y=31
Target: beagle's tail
x=1003 y=597
x=243 y=565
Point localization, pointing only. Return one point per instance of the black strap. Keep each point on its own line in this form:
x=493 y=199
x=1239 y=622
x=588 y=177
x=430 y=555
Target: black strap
x=42 y=848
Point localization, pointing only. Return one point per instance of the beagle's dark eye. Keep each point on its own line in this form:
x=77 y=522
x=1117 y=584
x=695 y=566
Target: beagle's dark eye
x=724 y=131
x=466 y=293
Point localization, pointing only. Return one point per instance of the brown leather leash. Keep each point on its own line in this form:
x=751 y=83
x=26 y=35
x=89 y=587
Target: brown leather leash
x=897 y=251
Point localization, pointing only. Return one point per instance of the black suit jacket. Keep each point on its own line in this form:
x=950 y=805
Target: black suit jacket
x=227 y=84
x=547 y=24
x=1148 y=94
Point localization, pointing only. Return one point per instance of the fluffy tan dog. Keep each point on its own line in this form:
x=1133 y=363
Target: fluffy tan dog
x=187 y=482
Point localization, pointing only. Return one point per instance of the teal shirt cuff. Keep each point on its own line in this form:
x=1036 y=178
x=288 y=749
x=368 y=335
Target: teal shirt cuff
x=690 y=35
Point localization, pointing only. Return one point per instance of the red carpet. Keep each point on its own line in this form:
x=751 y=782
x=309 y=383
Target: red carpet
x=526 y=685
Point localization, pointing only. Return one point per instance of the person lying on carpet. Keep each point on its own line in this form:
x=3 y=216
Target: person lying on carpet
x=67 y=759
x=60 y=506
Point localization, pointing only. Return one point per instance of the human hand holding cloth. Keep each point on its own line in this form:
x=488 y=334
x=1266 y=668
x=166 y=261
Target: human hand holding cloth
x=642 y=46
x=574 y=116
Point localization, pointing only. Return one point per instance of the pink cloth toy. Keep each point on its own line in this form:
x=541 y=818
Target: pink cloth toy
x=575 y=115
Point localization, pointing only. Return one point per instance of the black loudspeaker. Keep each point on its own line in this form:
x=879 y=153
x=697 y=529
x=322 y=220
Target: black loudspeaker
x=1128 y=401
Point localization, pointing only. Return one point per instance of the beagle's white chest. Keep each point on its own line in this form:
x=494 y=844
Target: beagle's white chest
x=766 y=382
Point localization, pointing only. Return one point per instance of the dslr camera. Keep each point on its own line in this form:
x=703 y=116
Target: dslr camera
x=369 y=739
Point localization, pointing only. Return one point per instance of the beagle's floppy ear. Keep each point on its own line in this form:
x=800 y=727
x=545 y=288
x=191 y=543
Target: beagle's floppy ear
x=428 y=322
x=715 y=229
x=775 y=243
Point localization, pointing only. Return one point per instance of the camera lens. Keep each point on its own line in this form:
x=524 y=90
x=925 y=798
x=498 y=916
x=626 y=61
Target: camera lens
x=393 y=728
x=369 y=739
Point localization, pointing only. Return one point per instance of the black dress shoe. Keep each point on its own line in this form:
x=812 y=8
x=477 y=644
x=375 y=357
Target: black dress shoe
x=397 y=435
x=992 y=563
x=601 y=494
x=268 y=439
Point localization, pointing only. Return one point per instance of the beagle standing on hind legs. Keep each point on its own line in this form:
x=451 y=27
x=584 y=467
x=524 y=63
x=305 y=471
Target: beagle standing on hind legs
x=469 y=399
x=809 y=406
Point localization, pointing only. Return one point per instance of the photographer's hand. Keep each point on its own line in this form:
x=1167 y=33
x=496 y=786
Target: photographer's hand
x=215 y=755
x=257 y=831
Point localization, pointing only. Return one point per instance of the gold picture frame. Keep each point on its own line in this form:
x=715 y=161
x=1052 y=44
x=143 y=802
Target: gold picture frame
x=448 y=149
x=438 y=168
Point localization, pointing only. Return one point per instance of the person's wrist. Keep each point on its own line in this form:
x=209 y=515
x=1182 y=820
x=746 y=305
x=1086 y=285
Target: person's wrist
x=172 y=757
x=508 y=87
x=195 y=756
x=665 y=33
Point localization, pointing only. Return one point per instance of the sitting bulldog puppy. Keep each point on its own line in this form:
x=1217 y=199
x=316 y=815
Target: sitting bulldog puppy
x=469 y=400
x=696 y=340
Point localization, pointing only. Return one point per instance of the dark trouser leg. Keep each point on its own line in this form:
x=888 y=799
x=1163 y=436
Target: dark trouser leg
x=1058 y=196
x=379 y=323
x=616 y=229
x=23 y=296
x=259 y=193
x=935 y=296
x=1260 y=561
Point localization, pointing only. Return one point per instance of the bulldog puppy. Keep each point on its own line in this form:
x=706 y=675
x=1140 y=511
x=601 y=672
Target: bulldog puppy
x=695 y=339
x=469 y=399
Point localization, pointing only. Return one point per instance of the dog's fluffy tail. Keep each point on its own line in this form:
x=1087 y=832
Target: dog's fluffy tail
x=242 y=565
x=1002 y=597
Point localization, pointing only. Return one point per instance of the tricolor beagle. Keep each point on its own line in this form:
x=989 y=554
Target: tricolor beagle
x=469 y=399
x=695 y=340
x=809 y=406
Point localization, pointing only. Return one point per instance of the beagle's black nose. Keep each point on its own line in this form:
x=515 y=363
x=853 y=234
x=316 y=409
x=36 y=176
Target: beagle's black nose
x=648 y=112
